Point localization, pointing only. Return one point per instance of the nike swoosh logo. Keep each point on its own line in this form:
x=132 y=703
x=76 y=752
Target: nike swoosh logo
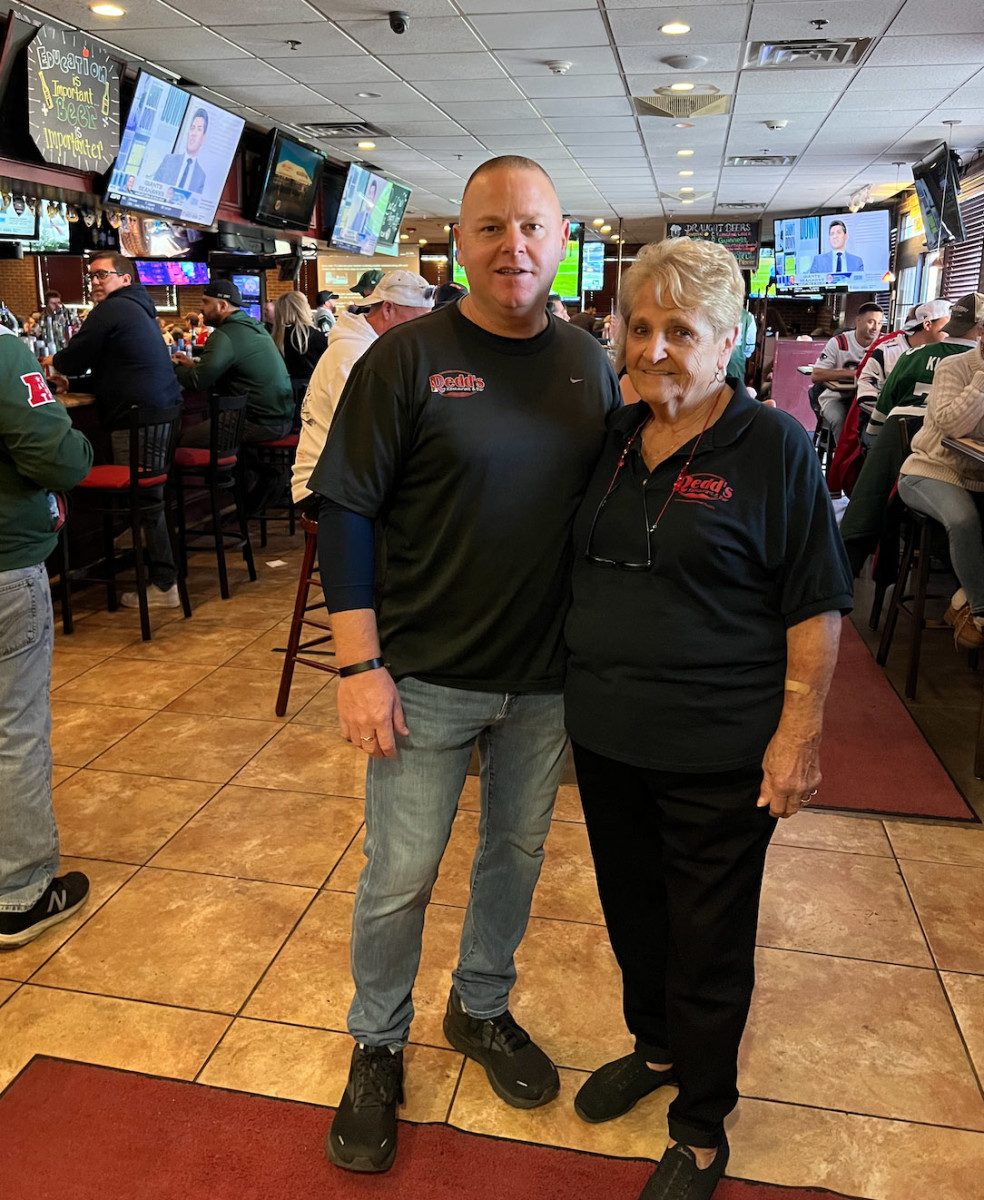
x=573 y=380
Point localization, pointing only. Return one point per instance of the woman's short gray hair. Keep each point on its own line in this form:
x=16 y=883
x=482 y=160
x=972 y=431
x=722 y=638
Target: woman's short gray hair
x=684 y=274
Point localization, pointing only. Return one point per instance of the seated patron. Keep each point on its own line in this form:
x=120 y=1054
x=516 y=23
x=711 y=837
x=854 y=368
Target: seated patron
x=297 y=337
x=838 y=361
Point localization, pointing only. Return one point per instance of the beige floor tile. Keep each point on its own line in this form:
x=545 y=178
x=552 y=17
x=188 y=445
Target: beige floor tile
x=7 y=988
x=186 y=746
x=312 y=1065
x=252 y=610
x=966 y=994
x=81 y=732
x=204 y=643
x=60 y=774
x=852 y=905
x=282 y=837
x=567 y=890
x=129 y=686
x=127 y=620
x=854 y=1155
x=567 y=808
x=307 y=758
x=264 y=653
x=829 y=831
x=109 y=1032
x=67 y=666
x=858 y=1036
x=345 y=876
x=104 y=814
x=323 y=708
x=950 y=904
x=235 y=692
x=938 y=843
x=639 y=1134
x=94 y=638
x=170 y=937
x=105 y=878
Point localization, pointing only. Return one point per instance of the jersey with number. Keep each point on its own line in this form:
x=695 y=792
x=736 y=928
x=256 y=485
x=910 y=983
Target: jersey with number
x=911 y=379
x=878 y=364
x=843 y=350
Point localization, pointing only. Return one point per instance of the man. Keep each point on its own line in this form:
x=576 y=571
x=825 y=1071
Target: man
x=836 y=261
x=324 y=314
x=469 y=436
x=39 y=450
x=365 y=284
x=240 y=358
x=120 y=343
x=184 y=171
x=837 y=363
x=399 y=298
x=585 y=320
x=449 y=292
x=52 y=304
x=556 y=305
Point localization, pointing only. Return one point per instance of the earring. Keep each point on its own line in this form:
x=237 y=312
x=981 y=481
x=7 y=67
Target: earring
x=719 y=375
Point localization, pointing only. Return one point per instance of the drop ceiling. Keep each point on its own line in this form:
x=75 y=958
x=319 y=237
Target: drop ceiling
x=472 y=79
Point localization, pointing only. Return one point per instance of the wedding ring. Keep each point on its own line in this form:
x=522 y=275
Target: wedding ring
x=370 y=738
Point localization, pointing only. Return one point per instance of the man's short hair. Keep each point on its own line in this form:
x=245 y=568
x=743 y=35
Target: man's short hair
x=837 y=222
x=199 y=112
x=121 y=264
x=505 y=162
x=871 y=306
x=51 y=295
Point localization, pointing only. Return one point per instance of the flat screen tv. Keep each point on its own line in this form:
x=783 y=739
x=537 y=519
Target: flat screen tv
x=764 y=274
x=567 y=282
x=362 y=212
x=252 y=310
x=52 y=231
x=290 y=184
x=593 y=266
x=937 y=184
x=249 y=286
x=836 y=250
x=18 y=220
x=175 y=273
x=395 y=198
x=175 y=154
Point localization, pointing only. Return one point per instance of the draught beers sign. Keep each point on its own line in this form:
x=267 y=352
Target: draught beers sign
x=740 y=237
x=73 y=89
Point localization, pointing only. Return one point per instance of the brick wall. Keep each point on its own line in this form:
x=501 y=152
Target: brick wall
x=19 y=285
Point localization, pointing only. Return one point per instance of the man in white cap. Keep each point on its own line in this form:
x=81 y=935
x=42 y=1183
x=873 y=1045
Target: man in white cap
x=923 y=326
x=398 y=297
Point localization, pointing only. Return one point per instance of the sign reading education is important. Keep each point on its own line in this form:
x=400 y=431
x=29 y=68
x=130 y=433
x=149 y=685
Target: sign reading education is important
x=73 y=89
x=740 y=237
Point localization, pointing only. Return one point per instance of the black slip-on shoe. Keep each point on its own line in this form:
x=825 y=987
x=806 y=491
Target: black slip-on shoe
x=518 y=1070
x=62 y=897
x=363 y=1134
x=679 y=1178
x=618 y=1086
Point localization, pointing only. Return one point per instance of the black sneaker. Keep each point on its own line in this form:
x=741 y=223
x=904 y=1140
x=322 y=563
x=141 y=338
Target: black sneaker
x=363 y=1134
x=61 y=898
x=618 y=1086
x=519 y=1071
x=679 y=1178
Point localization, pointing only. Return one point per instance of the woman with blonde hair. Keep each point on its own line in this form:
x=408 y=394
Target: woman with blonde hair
x=708 y=588
x=297 y=337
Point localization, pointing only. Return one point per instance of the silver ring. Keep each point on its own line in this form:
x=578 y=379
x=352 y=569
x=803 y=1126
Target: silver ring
x=370 y=738
x=813 y=793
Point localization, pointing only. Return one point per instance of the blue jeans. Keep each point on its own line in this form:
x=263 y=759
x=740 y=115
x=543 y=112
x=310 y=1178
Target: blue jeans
x=411 y=802
x=957 y=511
x=28 y=834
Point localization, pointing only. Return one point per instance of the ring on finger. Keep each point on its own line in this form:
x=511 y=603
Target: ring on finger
x=370 y=738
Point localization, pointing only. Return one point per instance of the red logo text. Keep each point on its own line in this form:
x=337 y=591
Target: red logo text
x=456 y=383
x=703 y=487
x=37 y=389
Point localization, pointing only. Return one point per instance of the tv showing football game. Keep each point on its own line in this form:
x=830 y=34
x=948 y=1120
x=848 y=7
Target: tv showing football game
x=361 y=212
x=836 y=250
x=937 y=185
x=567 y=282
x=395 y=199
x=175 y=154
x=290 y=185
x=764 y=274
x=18 y=220
x=175 y=274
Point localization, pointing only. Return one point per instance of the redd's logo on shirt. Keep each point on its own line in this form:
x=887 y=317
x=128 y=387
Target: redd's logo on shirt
x=456 y=383
x=37 y=389
x=703 y=487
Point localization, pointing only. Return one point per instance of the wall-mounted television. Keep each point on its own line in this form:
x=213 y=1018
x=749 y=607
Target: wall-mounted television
x=764 y=274
x=52 y=230
x=18 y=220
x=251 y=310
x=173 y=273
x=592 y=266
x=365 y=213
x=836 y=250
x=567 y=282
x=249 y=286
x=175 y=153
x=290 y=184
x=395 y=198
x=937 y=184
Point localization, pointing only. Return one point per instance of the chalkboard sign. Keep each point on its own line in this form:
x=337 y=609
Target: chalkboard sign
x=740 y=237
x=73 y=99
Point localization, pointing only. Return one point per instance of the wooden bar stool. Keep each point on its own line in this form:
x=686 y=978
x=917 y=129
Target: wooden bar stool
x=310 y=578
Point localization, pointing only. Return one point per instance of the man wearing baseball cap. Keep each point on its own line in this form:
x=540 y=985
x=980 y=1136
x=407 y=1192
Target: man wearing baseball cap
x=923 y=326
x=398 y=297
x=324 y=314
x=240 y=358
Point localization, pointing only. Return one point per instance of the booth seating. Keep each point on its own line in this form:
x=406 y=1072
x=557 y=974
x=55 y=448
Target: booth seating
x=310 y=578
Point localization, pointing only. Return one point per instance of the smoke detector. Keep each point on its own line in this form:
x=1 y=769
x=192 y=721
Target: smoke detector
x=560 y=68
x=775 y=124
x=685 y=62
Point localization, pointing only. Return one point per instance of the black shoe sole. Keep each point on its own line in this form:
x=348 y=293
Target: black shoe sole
x=516 y=1101
x=363 y=1165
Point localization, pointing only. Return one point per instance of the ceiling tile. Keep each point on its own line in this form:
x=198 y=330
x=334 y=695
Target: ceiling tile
x=521 y=6
x=448 y=35
x=789 y=19
x=504 y=32
x=269 y=41
x=225 y=71
x=487 y=90
x=859 y=100
x=390 y=91
x=249 y=12
x=781 y=81
x=509 y=110
x=193 y=44
x=356 y=10
x=955 y=16
x=576 y=86
x=140 y=14
x=886 y=79
x=417 y=67
x=333 y=69
x=599 y=124
x=909 y=51
x=585 y=60
x=266 y=94
x=715 y=22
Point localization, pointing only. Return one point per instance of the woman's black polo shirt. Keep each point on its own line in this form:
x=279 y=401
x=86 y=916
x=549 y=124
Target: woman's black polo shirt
x=681 y=667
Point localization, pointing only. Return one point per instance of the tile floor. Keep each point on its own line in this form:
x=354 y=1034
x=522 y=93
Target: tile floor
x=223 y=845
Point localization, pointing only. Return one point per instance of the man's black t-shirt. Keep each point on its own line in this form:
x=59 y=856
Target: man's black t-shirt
x=681 y=667
x=473 y=450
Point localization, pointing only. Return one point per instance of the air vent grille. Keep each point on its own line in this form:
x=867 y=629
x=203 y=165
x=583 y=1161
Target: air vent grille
x=810 y=54
x=679 y=107
x=760 y=160
x=742 y=204
x=351 y=129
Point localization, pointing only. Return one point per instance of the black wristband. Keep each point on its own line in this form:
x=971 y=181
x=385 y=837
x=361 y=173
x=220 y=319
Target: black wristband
x=370 y=664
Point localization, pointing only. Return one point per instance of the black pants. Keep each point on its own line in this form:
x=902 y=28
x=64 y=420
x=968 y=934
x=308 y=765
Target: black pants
x=264 y=481
x=679 y=861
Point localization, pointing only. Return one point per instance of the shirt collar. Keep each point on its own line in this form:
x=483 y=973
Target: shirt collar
x=740 y=412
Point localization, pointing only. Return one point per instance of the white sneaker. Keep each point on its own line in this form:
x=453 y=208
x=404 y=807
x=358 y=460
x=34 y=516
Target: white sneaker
x=155 y=598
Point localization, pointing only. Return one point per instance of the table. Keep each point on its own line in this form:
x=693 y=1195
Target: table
x=967 y=447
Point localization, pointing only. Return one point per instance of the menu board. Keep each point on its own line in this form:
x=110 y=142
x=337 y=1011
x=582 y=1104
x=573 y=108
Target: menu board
x=73 y=99
x=740 y=237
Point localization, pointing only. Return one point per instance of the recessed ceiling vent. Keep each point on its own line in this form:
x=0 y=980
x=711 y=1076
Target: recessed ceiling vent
x=760 y=160
x=681 y=106
x=351 y=129
x=741 y=204
x=810 y=54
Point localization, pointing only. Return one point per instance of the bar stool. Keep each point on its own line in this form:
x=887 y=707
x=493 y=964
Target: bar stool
x=123 y=490
x=213 y=472
x=310 y=578
x=280 y=452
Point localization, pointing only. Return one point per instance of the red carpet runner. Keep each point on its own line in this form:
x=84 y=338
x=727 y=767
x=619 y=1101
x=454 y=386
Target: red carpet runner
x=873 y=756
x=92 y=1133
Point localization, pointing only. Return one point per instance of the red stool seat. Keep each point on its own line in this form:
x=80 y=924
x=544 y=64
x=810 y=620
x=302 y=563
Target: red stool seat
x=288 y=442
x=110 y=475
x=189 y=456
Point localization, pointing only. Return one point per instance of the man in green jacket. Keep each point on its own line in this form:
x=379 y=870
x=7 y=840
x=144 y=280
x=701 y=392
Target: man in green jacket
x=240 y=358
x=40 y=453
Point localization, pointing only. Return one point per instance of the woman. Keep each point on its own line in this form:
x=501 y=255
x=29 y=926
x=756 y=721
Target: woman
x=297 y=337
x=708 y=590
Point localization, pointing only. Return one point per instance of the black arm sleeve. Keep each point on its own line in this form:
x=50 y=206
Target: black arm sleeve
x=346 y=557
